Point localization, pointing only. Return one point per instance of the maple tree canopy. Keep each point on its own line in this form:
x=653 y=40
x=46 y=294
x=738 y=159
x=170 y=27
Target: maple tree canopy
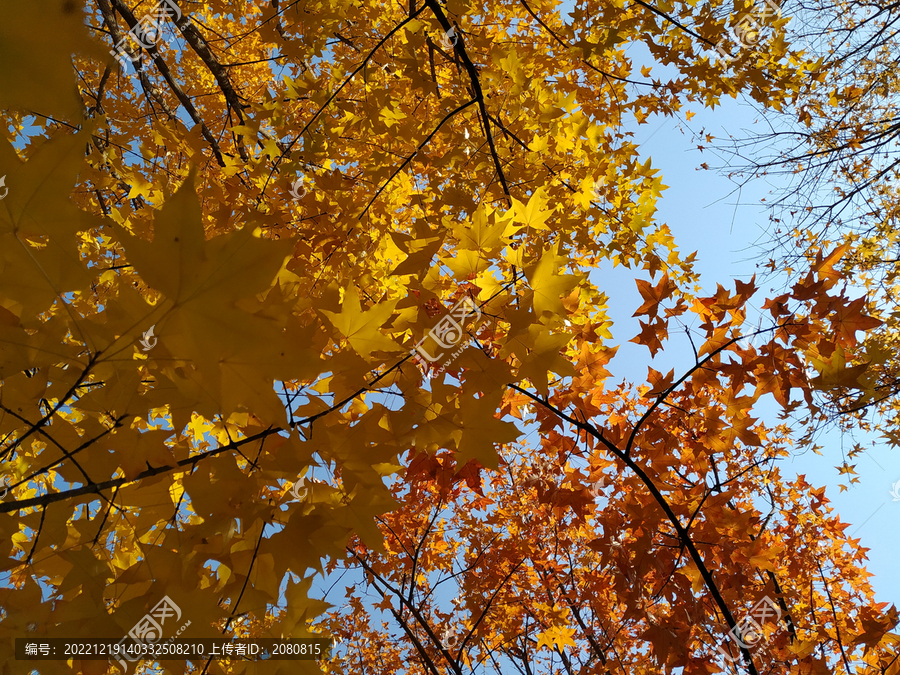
x=290 y=290
x=840 y=205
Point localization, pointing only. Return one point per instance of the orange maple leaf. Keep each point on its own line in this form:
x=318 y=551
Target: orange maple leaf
x=849 y=319
x=650 y=335
x=653 y=295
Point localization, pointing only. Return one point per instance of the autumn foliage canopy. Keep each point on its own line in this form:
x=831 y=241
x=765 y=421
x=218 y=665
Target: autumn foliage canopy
x=231 y=264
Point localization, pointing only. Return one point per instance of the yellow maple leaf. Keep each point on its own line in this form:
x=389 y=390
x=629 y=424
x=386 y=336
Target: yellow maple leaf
x=35 y=209
x=548 y=285
x=392 y=116
x=543 y=357
x=361 y=328
x=533 y=215
x=37 y=71
x=236 y=353
x=480 y=430
x=556 y=636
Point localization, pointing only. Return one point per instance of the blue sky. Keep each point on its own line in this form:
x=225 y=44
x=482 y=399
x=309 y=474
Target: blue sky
x=707 y=216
